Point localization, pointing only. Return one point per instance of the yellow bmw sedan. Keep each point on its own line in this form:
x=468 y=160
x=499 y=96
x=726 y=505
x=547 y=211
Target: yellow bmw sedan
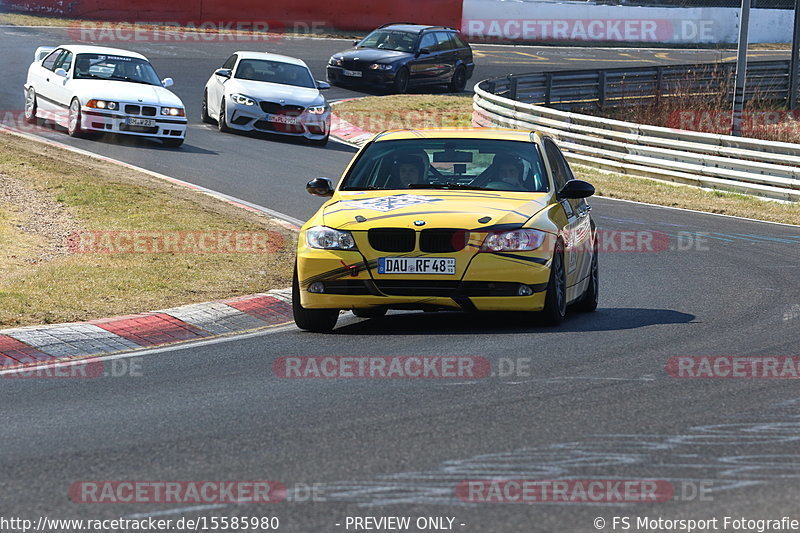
x=472 y=220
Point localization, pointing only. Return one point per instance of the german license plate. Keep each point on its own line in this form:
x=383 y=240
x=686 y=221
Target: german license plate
x=282 y=119
x=353 y=73
x=146 y=122
x=416 y=265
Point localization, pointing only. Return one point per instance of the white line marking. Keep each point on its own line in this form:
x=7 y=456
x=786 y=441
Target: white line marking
x=151 y=351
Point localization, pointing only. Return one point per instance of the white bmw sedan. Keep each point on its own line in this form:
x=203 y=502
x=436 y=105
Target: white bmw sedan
x=258 y=91
x=96 y=89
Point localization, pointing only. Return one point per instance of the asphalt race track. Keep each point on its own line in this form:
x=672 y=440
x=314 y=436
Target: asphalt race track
x=595 y=402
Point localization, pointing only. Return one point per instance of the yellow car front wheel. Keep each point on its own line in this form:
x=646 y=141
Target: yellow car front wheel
x=316 y=320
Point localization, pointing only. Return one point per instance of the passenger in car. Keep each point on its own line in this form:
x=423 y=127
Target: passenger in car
x=407 y=170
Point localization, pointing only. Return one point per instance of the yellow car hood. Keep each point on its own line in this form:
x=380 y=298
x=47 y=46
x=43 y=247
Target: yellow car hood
x=438 y=208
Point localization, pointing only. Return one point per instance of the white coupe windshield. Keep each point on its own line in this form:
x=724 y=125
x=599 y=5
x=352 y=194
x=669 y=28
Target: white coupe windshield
x=112 y=67
x=274 y=72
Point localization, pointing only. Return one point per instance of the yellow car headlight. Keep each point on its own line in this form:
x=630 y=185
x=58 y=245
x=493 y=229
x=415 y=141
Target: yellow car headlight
x=325 y=238
x=521 y=240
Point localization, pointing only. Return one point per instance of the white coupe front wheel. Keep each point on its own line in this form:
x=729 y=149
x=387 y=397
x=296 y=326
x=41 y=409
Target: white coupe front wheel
x=30 y=106
x=74 y=121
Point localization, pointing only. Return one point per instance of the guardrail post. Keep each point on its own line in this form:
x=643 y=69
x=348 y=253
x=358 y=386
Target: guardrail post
x=513 y=81
x=601 y=97
x=548 y=88
x=659 y=84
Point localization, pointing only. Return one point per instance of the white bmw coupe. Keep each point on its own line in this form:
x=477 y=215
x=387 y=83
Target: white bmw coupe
x=96 y=89
x=259 y=91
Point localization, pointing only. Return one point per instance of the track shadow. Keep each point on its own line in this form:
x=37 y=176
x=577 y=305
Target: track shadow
x=117 y=139
x=447 y=323
x=332 y=146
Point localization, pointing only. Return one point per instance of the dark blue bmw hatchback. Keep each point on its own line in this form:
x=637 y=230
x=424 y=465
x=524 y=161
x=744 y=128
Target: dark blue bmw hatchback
x=399 y=56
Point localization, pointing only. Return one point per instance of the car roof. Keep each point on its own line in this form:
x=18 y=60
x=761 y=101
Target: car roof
x=103 y=50
x=500 y=134
x=414 y=28
x=244 y=54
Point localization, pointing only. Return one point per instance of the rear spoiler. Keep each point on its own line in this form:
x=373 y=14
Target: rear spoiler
x=42 y=52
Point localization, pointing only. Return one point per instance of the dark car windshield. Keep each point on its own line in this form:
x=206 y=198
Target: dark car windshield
x=449 y=164
x=274 y=72
x=400 y=41
x=113 y=67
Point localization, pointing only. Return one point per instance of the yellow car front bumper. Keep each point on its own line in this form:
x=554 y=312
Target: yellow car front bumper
x=489 y=282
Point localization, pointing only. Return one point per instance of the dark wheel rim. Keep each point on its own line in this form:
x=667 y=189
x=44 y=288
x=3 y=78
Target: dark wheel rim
x=560 y=285
x=402 y=81
x=30 y=102
x=204 y=109
x=460 y=81
x=222 y=114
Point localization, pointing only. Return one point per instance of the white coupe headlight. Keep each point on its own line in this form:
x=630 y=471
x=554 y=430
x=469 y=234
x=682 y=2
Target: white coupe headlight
x=325 y=238
x=173 y=111
x=102 y=104
x=242 y=99
x=380 y=66
x=521 y=240
x=317 y=109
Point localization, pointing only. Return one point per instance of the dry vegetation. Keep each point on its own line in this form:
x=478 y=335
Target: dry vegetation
x=47 y=193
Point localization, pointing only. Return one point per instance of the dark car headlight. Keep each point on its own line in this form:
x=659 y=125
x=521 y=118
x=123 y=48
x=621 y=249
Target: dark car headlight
x=380 y=66
x=336 y=61
x=325 y=238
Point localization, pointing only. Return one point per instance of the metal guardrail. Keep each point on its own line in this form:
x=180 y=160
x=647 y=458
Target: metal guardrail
x=750 y=166
x=766 y=80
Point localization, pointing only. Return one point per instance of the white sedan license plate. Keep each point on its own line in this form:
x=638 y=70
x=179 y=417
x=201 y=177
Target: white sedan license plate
x=282 y=119
x=146 y=122
x=416 y=265
x=353 y=73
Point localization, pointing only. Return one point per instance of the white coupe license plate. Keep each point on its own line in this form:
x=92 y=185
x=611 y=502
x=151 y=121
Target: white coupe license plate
x=353 y=73
x=416 y=265
x=146 y=122
x=282 y=119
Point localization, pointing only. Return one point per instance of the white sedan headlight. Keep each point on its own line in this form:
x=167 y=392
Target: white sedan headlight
x=317 y=109
x=102 y=104
x=173 y=111
x=325 y=238
x=521 y=240
x=242 y=99
x=380 y=66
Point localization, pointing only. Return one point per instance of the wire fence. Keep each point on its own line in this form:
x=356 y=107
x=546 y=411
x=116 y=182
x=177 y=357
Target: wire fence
x=577 y=90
